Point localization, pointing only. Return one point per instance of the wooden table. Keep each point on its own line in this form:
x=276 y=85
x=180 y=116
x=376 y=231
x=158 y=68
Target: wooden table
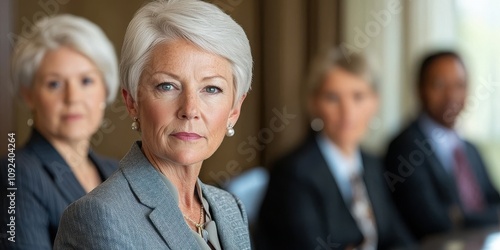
x=475 y=239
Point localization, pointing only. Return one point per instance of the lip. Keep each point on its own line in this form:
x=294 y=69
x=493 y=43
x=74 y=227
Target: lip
x=186 y=136
x=72 y=117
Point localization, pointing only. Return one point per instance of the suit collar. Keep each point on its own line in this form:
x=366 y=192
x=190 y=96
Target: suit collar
x=439 y=174
x=327 y=183
x=151 y=191
x=56 y=166
x=225 y=217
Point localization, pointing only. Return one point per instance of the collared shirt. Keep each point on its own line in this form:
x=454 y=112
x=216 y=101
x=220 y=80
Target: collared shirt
x=210 y=225
x=443 y=140
x=341 y=167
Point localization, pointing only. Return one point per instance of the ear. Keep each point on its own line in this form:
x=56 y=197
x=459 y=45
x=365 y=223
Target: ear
x=27 y=96
x=235 y=112
x=130 y=103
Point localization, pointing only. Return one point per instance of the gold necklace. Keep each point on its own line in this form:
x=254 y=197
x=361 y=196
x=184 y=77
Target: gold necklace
x=199 y=226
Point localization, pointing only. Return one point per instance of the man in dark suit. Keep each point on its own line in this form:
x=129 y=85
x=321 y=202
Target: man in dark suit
x=438 y=180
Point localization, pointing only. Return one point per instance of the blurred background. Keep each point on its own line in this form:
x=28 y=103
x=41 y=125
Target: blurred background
x=284 y=36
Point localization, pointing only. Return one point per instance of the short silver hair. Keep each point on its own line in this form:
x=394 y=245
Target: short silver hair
x=198 y=22
x=71 y=31
x=357 y=64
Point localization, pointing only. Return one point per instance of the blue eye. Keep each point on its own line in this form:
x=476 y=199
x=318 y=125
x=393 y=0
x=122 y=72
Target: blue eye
x=213 y=90
x=87 y=81
x=165 y=86
x=54 y=84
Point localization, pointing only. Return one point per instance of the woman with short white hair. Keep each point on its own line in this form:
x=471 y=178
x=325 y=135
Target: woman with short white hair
x=186 y=69
x=66 y=72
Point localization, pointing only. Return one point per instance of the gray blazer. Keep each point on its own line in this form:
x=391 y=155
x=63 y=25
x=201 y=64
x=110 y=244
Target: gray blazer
x=133 y=209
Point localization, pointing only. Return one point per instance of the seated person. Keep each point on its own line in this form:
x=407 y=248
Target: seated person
x=67 y=73
x=328 y=193
x=438 y=179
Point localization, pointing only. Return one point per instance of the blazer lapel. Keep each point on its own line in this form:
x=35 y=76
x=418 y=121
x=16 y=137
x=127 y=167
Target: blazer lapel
x=445 y=180
x=339 y=209
x=57 y=167
x=151 y=191
x=227 y=220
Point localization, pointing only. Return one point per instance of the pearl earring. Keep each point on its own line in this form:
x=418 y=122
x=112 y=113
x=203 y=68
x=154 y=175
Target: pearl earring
x=30 y=122
x=317 y=124
x=230 y=131
x=135 y=125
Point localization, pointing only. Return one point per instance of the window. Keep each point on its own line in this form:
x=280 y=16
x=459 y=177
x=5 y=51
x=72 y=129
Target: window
x=478 y=27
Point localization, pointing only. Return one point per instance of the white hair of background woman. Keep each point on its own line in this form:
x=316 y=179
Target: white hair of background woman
x=198 y=22
x=71 y=31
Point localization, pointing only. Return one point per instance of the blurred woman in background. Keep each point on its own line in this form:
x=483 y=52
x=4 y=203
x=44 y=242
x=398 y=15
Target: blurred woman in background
x=66 y=73
x=328 y=192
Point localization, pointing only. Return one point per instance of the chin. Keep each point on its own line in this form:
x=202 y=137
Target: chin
x=448 y=121
x=188 y=158
x=77 y=135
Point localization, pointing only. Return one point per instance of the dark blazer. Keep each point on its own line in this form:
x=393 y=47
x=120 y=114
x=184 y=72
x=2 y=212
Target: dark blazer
x=304 y=209
x=134 y=209
x=45 y=187
x=423 y=190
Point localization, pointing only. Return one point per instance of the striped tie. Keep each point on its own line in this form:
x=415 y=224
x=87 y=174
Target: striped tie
x=362 y=212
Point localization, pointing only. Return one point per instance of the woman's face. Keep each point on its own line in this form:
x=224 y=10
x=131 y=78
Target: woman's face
x=67 y=97
x=346 y=103
x=185 y=103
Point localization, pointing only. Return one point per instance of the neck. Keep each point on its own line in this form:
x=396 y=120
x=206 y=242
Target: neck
x=183 y=177
x=446 y=124
x=75 y=153
x=346 y=149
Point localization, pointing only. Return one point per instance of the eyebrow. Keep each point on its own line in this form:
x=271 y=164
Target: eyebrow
x=92 y=71
x=176 y=77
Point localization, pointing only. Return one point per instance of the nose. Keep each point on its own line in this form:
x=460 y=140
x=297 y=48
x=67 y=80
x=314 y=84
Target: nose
x=188 y=106
x=72 y=92
x=347 y=112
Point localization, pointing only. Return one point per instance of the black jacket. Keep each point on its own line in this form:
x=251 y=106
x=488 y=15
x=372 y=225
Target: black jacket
x=45 y=187
x=424 y=191
x=304 y=209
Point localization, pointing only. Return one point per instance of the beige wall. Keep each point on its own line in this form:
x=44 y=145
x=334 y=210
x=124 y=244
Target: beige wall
x=283 y=35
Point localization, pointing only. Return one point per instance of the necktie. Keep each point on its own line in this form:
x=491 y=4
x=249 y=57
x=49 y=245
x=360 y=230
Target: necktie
x=469 y=190
x=362 y=212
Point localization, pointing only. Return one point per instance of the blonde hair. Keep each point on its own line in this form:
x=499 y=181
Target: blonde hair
x=356 y=64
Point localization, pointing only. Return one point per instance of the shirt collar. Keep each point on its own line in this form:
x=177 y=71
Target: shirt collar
x=438 y=133
x=334 y=156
